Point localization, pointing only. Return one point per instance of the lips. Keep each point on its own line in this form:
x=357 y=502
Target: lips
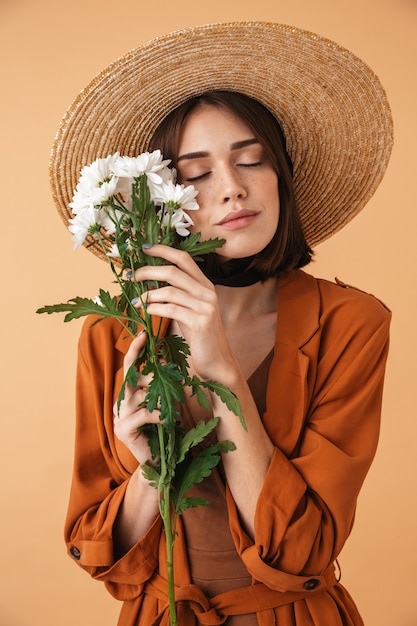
x=235 y=216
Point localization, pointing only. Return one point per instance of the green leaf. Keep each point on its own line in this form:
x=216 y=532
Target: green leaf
x=195 y=247
x=200 y=466
x=151 y=432
x=152 y=234
x=131 y=378
x=193 y=470
x=191 y=502
x=164 y=390
x=195 y=436
x=226 y=446
x=227 y=397
x=80 y=307
x=132 y=375
x=174 y=350
x=111 y=307
x=151 y=474
x=195 y=384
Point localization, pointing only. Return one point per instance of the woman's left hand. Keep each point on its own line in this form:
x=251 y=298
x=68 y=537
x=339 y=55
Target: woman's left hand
x=190 y=300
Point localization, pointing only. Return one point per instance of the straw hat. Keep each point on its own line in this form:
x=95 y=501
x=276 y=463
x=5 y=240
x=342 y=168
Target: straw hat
x=331 y=106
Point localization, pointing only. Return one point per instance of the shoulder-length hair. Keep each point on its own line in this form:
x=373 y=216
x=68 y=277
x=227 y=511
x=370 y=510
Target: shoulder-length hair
x=288 y=249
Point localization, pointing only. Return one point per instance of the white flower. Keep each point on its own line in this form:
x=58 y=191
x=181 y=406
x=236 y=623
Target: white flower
x=86 y=222
x=124 y=191
x=96 y=184
x=168 y=174
x=149 y=163
x=114 y=253
x=176 y=196
x=181 y=222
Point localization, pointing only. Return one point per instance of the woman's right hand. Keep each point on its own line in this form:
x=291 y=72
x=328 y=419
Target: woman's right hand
x=131 y=415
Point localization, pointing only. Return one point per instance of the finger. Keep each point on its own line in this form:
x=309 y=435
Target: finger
x=178 y=258
x=132 y=403
x=182 y=306
x=173 y=255
x=170 y=274
x=134 y=350
x=178 y=285
x=126 y=427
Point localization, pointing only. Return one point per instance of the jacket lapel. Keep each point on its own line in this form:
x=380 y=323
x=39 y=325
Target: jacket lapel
x=287 y=394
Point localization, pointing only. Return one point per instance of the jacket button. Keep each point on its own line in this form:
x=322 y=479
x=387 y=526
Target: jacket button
x=75 y=553
x=311 y=584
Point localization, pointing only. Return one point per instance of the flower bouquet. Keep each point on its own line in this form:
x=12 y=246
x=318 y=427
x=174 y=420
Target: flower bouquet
x=122 y=204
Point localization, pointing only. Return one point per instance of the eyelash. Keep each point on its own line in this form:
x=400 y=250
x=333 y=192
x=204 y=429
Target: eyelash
x=193 y=179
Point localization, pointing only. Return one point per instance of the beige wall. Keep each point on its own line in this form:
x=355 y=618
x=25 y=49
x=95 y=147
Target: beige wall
x=50 y=50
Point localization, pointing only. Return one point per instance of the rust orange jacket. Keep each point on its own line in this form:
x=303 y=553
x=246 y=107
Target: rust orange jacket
x=323 y=412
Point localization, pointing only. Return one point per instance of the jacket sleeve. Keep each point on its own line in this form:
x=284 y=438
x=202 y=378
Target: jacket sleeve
x=99 y=477
x=324 y=441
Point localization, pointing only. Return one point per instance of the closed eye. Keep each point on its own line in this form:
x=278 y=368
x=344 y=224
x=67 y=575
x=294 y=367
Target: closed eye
x=193 y=179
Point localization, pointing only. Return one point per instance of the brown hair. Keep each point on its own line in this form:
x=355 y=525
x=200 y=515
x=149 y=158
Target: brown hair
x=288 y=249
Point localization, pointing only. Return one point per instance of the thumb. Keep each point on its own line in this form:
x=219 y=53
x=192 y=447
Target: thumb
x=134 y=349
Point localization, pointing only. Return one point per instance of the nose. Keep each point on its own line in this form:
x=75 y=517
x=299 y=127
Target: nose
x=231 y=186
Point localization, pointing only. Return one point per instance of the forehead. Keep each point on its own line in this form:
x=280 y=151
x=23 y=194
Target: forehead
x=214 y=125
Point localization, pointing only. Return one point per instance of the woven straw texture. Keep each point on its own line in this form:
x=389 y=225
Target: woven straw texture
x=331 y=106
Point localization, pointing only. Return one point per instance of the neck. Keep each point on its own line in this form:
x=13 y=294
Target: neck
x=250 y=301
x=231 y=273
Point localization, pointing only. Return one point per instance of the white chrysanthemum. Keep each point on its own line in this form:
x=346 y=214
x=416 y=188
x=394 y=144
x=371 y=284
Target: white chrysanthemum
x=168 y=174
x=86 y=222
x=80 y=202
x=96 y=184
x=176 y=196
x=114 y=253
x=124 y=191
x=178 y=220
x=149 y=163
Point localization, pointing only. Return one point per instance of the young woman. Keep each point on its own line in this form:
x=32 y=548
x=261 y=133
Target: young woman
x=305 y=358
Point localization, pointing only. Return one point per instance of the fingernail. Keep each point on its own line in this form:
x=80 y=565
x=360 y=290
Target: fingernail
x=147 y=246
x=136 y=301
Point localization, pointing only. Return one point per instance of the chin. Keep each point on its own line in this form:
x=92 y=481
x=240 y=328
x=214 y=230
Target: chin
x=228 y=253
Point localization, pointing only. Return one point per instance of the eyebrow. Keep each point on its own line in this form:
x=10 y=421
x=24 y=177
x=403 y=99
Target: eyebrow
x=237 y=145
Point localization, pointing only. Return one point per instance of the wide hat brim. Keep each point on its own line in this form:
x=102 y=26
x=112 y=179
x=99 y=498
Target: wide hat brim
x=332 y=108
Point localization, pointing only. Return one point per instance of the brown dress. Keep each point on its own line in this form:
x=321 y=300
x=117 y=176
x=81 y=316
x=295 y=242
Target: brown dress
x=215 y=565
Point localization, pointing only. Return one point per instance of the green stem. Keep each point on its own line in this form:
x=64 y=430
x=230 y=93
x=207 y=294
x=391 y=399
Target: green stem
x=165 y=483
x=106 y=252
x=146 y=320
x=165 y=510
